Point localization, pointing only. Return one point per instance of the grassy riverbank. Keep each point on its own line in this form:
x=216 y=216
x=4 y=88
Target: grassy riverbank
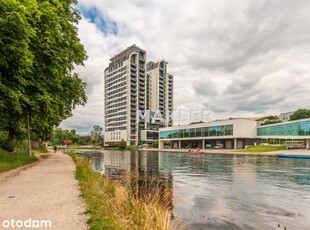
x=261 y=149
x=112 y=207
x=14 y=160
x=129 y=148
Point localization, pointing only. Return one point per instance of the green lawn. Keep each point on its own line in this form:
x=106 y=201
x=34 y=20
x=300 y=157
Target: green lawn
x=260 y=149
x=14 y=160
x=39 y=150
x=129 y=148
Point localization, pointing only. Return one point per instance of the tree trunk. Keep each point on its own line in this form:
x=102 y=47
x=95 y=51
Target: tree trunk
x=28 y=130
x=9 y=146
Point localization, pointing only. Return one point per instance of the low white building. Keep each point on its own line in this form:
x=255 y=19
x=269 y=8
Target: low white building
x=236 y=134
x=231 y=133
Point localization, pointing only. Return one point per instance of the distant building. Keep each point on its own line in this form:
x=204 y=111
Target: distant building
x=230 y=133
x=130 y=90
x=124 y=95
x=236 y=134
x=285 y=116
x=160 y=89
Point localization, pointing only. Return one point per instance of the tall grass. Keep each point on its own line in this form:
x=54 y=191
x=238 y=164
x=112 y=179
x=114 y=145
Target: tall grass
x=14 y=160
x=111 y=206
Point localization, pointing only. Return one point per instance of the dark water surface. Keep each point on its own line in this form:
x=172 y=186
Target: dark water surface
x=215 y=191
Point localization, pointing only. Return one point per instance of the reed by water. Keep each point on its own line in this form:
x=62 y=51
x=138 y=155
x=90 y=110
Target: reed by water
x=111 y=206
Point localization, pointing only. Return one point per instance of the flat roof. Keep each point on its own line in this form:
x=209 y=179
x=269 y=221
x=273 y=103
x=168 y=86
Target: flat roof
x=133 y=45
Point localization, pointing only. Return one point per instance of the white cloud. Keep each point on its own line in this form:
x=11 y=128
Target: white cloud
x=234 y=57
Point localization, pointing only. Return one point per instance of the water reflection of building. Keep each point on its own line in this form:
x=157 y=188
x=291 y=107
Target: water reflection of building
x=96 y=160
x=244 y=169
x=117 y=165
x=139 y=172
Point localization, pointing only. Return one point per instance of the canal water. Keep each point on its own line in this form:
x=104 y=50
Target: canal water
x=218 y=191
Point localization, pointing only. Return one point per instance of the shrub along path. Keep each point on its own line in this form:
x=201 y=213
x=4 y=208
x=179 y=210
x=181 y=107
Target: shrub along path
x=46 y=191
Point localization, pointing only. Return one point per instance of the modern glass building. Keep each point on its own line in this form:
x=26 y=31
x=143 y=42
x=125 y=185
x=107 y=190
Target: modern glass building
x=231 y=133
x=212 y=131
x=236 y=133
x=290 y=133
x=294 y=128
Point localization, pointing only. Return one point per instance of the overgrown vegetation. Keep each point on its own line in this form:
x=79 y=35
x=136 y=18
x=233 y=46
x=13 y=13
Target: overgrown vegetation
x=260 y=149
x=155 y=144
x=73 y=146
x=39 y=150
x=123 y=148
x=39 y=50
x=14 y=160
x=96 y=135
x=59 y=135
x=73 y=139
x=297 y=115
x=112 y=207
x=269 y=120
x=111 y=148
x=44 y=156
x=122 y=145
x=132 y=148
x=300 y=114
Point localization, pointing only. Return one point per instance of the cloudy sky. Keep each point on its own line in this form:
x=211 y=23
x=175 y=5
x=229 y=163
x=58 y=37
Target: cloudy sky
x=233 y=58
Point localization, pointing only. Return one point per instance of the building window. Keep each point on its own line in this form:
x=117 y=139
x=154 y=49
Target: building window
x=228 y=130
x=292 y=129
x=221 y=130
x=192 y=133
x=198 y=132
x=186 y=133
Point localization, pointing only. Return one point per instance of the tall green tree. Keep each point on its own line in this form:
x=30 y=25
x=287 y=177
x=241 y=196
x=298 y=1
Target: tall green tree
x=16 y=62
x=96 y=137
x=59 y=135
x=300 y=114
x=39 y=48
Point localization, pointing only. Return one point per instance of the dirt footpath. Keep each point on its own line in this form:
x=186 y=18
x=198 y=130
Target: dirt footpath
x=45 y=191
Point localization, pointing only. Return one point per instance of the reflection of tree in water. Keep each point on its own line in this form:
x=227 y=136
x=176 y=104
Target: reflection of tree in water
x=98 y=164
x=96 y=160
x=139 y=173
x=150 y=184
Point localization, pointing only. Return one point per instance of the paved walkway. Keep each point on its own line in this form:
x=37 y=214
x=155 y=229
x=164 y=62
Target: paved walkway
x=42 y=191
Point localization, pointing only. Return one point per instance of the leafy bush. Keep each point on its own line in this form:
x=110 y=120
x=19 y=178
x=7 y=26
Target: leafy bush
x=155 y=144
x=122 y=145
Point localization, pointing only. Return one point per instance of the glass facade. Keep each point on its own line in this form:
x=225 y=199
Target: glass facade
x=211 y=131
x=301 y=128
